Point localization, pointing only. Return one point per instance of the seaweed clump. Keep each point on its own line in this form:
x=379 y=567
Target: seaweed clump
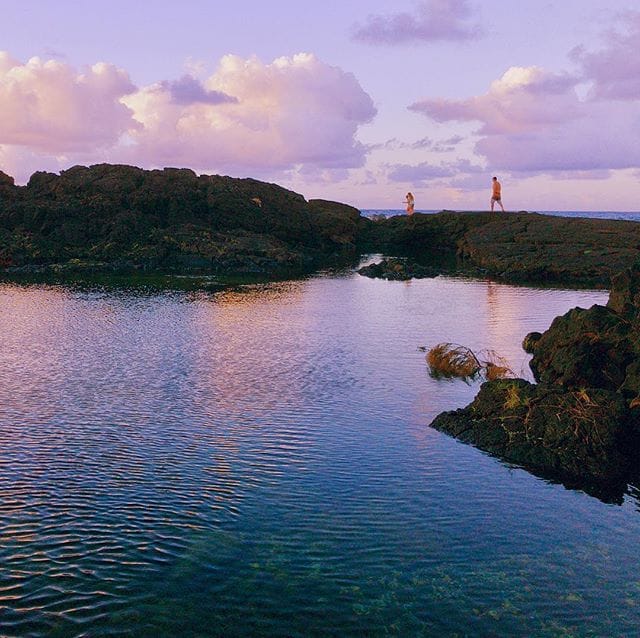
x=451 y=360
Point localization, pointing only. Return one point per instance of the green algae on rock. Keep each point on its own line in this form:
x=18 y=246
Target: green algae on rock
x=121 y=217
x=515 y=247
x=580 y=423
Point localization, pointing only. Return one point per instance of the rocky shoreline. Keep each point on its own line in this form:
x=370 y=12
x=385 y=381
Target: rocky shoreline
x=526 y=248
x=119 y=219
x=580 y=423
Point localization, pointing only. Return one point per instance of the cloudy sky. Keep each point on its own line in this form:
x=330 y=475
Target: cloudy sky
x=350 y=100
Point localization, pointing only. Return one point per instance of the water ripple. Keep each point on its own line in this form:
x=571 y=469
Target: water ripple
x=258 y=462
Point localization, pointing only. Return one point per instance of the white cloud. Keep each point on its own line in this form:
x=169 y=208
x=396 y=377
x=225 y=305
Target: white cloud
x=50 y=106
x=295 y=110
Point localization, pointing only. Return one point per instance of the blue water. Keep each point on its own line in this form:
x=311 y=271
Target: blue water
x=630 y=216
x=259 y=462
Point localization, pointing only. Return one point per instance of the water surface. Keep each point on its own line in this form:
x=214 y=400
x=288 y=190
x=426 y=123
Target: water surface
x=259 y=462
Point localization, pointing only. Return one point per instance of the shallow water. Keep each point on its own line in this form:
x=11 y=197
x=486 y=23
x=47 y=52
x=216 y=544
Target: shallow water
x=259 y=462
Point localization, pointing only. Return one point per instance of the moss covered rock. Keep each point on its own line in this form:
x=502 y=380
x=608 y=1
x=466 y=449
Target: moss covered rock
x=166 y=219
x=579 y=434
x=581 y=422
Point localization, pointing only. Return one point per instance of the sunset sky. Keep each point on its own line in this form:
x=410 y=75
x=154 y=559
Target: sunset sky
x=349 y=100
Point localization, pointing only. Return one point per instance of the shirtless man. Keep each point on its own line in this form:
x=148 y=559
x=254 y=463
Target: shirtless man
x=496 y=194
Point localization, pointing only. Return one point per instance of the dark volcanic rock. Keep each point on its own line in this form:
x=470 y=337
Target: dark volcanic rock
x=519 y=247
x=530 y=342
x=335 y=223
x=169 y=218
x=579 y=434
x=582 y=421
x=625 y=292
x=398 y=270
x=584 y=348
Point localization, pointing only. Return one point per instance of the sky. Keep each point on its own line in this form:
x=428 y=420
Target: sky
x=348 y=100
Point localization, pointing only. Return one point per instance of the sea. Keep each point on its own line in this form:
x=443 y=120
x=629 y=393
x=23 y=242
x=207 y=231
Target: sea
x=628 y=215
x=259 y=462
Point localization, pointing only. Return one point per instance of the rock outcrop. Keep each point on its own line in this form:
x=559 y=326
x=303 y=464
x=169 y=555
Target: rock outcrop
x=168 y=219
x=398 y=269
x=122 y=217
x=581 y=422
x=515 y=247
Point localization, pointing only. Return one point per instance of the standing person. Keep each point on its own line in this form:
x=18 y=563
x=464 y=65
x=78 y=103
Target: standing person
x=410 y=202
x=496 y=194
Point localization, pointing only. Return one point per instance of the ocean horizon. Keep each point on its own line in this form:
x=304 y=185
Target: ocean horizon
x=623 y=215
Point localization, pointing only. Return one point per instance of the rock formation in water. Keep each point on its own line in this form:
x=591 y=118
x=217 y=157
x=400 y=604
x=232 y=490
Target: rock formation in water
x=398 y=269
x=516 y=247
x=110 y=216
x=581 y=422
x=120 y=217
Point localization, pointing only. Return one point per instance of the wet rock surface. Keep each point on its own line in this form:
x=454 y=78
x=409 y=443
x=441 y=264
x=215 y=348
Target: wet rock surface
x=398 y=269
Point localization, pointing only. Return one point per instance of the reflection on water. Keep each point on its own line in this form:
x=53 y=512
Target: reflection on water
x=258 y=462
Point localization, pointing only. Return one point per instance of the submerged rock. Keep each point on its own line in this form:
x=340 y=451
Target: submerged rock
x=398 y=269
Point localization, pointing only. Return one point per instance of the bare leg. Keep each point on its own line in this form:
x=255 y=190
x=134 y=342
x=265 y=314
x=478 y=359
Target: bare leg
x=492 y=205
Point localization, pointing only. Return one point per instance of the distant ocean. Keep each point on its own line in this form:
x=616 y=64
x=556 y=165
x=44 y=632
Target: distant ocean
x=629 y=216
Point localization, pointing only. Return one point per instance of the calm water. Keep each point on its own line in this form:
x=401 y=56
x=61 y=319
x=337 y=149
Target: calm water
x=259 y=462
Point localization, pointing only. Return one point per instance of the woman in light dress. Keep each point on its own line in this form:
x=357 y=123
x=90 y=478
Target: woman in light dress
x=410 y=202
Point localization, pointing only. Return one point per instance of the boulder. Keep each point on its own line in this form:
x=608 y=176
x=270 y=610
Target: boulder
x=398 y=269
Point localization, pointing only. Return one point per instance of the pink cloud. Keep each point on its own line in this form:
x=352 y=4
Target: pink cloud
x=50 y=106
x=532 y=120
x=523 y=99
x=615 y=68
x=295 y=110
x=247 y=117
x=433 y=20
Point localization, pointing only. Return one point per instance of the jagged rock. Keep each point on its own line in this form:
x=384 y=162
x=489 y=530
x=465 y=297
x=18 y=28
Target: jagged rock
x=6 y=181
x=584 y=348
x=625 y=292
